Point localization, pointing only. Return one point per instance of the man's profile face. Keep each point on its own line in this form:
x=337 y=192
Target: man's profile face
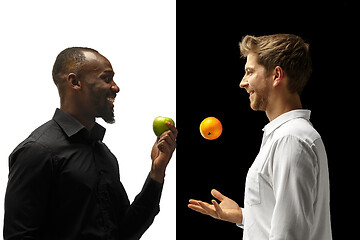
x=256 y=83
x=99 y=89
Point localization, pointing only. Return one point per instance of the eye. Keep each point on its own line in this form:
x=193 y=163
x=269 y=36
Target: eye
x=248 y=72
x=107 y=78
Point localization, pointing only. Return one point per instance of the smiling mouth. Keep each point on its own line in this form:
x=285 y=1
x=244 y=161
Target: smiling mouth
x=251 y=93
x=111 y=99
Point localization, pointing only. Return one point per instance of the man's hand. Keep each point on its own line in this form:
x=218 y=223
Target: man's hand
x=162 y=151
x=227 y=210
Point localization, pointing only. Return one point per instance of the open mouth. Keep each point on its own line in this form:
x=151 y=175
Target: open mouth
x=251 y=93
x=112 y=100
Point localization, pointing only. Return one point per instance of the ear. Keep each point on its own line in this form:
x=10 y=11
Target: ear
x=278 y=75
x=73 y=81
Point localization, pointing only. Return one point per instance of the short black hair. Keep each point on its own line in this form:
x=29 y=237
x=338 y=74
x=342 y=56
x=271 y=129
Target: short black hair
x=69 y=60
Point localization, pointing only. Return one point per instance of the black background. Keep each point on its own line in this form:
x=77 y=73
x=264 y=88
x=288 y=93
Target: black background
x=209 y=70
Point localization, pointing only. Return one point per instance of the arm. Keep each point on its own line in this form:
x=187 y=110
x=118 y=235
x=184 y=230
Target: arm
x=141 y=213
x=227 y=210
x=28 y=188
x=294 y=184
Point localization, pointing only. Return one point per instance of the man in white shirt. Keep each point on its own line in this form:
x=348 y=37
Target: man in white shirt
x=287 y=186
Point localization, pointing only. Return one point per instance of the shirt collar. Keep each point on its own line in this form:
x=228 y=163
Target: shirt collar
x=73 y=127
x=283 y=118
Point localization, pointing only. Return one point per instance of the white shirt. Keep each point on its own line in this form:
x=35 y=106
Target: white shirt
x=287 y=187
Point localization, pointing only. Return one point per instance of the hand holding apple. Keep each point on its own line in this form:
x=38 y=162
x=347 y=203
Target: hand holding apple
x=163 y=148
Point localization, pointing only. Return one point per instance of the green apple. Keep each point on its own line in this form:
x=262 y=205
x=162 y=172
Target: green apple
x=159 y=125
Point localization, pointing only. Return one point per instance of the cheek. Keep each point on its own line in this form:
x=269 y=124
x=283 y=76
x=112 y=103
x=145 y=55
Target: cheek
x=257 y=82
x=97 y=90
x=253 y=82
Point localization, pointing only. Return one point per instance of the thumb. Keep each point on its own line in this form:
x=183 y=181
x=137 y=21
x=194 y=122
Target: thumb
x=217 y=195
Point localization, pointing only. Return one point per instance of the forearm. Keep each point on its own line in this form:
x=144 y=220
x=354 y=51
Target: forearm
x=141 y=213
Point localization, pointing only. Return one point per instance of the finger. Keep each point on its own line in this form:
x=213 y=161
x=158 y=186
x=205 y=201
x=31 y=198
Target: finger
x=218 y=209
x=193 y=201
x=160 y=146
x=172 y=128
x=169 y=137
x=165 y=147
x=168 y=133
x=210 y=210
x=197 y=208
x=167 y=143
x=194 y=205
x=216 y=194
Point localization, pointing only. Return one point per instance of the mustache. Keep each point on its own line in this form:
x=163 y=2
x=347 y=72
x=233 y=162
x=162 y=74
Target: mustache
x=112 y=95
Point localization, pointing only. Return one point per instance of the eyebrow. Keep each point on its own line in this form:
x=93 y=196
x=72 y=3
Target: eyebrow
x=249 y=68
x=109 y=71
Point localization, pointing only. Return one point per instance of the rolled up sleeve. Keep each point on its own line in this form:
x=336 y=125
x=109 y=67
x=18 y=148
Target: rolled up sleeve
x=242 y=220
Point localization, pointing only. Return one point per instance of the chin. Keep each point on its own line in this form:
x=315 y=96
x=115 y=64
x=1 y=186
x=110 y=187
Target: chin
x=259 y=104
x=254 y=106
x=108 y=116
x=110 y=121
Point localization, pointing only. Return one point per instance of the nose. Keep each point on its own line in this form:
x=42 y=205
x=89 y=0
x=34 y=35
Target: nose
x=244 y=83
x=115 y=88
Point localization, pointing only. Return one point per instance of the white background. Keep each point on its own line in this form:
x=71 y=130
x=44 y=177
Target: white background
x=139 y=39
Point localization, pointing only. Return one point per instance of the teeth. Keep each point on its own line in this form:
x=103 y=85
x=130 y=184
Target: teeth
x=111 y=99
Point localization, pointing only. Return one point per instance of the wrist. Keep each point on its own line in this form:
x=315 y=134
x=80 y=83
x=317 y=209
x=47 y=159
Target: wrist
x=240 y=217
x=157 y=175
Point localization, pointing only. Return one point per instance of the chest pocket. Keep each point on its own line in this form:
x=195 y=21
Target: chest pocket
x=252 y=188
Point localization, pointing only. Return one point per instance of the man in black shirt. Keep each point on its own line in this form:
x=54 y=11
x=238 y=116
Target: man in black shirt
x=64 y=182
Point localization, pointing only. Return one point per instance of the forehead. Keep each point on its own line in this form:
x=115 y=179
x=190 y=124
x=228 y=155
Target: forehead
x=95 y=62
x=251 y=60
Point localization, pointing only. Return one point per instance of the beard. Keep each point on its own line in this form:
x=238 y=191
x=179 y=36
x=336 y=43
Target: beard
x=260 y=101
x=107 y=114
x=100 y=104
x=105 y=111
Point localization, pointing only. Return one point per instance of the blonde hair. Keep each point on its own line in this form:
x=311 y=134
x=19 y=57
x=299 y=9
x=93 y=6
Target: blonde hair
x=288 y=51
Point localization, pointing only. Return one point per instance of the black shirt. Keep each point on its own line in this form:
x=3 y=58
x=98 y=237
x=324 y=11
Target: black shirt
x=64 y=183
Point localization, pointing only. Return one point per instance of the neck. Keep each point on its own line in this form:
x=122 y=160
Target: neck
x=84 y=119
x=282 y=105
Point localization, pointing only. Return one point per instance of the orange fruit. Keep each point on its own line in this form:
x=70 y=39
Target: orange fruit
x=210 y=128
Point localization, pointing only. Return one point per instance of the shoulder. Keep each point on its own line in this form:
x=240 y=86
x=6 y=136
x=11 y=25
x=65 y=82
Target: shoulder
x=294 y=155
x=45 y=135
x=30 y=158
x=298 y=130
x=38 y=145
